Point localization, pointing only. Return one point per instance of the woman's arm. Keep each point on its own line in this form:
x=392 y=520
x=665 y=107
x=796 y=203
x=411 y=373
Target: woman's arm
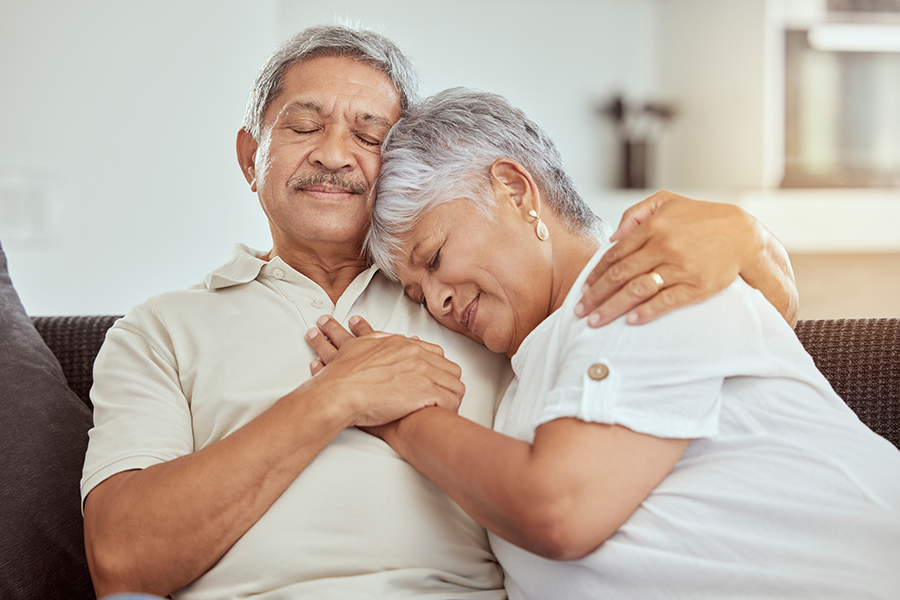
x=698 y=248
x=560 y=497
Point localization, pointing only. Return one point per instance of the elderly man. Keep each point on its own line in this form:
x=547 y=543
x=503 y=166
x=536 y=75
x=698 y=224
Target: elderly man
x=217 y=467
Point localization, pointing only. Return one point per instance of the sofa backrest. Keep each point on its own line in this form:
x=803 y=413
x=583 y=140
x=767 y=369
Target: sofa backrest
x=861 y=360
x=75 y=341
x=859 y=357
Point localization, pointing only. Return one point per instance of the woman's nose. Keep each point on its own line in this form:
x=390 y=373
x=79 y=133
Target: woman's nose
x=440 y=299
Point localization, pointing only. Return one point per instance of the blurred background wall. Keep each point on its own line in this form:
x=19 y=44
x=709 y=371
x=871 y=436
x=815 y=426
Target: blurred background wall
x=118 y=119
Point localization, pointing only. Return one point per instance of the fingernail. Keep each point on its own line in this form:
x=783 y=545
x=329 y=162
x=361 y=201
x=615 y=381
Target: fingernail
x=632 y=318
x=322 y=320
x=312 y=365
x=312 y=333
x=585 y=288
x=579 y=310
x=354 y=320
x=594 y=320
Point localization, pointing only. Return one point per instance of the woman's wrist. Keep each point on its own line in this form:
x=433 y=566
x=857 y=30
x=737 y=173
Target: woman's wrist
x=401 y=435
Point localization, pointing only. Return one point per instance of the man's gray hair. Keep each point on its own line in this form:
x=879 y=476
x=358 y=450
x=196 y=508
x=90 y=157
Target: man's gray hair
x=329 y=40
x=443 y=151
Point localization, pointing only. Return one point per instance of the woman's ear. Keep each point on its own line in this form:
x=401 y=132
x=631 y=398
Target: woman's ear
x=246 y=154
x=514 y=184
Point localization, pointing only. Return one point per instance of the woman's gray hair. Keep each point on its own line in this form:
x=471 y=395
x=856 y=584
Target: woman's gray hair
x=329 y=40
x=443 y=151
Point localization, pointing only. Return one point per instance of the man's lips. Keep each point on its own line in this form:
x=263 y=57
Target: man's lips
x=325 y=189
x=467 y=318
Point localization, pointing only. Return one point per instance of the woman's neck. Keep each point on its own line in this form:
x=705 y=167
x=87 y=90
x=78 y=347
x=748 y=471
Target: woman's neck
x=571 y=254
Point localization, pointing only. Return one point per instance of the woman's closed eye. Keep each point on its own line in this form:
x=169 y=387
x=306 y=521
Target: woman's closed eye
x=435 y=260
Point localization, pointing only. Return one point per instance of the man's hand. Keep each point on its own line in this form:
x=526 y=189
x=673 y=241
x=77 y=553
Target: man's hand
x=386 y=376
x=695 y=249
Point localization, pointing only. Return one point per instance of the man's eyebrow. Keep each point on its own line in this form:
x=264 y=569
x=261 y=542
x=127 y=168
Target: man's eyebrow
x=308 y=106
x=370 y=119
x=302 y=106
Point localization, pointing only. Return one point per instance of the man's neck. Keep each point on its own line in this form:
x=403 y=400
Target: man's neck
x=333 y=274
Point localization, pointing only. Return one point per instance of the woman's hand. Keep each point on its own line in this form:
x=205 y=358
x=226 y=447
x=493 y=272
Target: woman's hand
x=387 y=376
x=696 y=249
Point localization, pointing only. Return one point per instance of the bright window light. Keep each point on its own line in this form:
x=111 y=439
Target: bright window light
x=854 y=37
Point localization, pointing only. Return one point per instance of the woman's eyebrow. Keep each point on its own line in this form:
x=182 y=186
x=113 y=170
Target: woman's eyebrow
x=413 y=257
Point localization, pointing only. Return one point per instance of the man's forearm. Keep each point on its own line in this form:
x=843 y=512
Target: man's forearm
x=768 y=269
x=158 y=529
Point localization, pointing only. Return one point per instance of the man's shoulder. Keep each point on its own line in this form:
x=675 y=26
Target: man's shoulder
x=196 y=303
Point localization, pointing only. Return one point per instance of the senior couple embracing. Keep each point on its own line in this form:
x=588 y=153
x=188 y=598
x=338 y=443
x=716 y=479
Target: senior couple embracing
x=698 y=455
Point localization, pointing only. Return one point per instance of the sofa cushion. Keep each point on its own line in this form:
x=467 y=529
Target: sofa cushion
x=42 y=441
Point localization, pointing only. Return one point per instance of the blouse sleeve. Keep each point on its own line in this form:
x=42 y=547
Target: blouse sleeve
x=663 y=378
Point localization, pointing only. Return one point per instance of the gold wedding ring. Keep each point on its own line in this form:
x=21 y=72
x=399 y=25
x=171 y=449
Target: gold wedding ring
x=657 y=279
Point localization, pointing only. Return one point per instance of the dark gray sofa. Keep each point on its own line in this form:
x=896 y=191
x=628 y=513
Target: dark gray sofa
x=45 y=379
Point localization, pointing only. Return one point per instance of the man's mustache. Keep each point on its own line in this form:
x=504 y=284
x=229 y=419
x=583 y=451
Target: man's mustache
x=327 y=178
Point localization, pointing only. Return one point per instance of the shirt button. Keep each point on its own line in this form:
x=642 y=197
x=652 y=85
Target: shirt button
x=277 y=273
x=598 y=371
x=317 y=303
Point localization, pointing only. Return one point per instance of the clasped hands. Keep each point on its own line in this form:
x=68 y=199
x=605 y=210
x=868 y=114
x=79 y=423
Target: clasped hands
x=395 y=375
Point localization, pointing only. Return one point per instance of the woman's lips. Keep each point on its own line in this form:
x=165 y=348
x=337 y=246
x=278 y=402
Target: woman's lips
x=467 y=318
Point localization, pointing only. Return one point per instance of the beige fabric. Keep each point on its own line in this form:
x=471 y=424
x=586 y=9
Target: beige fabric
x=186 y=368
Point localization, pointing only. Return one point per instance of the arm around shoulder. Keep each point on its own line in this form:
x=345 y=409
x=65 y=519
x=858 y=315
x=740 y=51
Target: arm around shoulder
x=672 y=251
x=769 y=270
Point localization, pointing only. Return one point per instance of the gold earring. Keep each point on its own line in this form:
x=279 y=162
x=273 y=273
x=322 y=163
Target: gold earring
x=540 y=229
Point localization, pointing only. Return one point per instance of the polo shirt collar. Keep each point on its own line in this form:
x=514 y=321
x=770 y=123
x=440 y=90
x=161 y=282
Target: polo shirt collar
x=245 y=265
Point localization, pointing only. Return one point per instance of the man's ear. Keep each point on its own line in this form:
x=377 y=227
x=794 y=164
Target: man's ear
x=246 y=154
x=512 y=182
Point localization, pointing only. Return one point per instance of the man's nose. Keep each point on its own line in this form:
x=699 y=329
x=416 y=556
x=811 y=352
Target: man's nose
x=333 y=151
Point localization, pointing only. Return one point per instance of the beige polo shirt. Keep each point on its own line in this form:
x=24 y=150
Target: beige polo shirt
x=186 y=368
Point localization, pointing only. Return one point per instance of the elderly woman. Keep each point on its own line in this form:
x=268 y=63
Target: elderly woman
x=701 y=455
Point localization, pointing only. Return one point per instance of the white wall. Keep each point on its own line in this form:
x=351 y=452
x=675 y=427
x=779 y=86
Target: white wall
x=713 y=69
x=133 y=107
x=553 y=59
